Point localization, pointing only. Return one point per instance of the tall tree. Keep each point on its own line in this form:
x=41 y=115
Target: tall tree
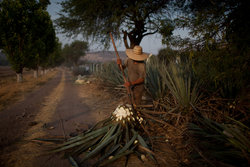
x=74 y=51
x=134 y=19
x=14 y=31
x=43 y=39
x=56 y=58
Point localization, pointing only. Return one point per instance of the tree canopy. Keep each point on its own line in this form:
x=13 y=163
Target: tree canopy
x=72 y=52
x=132 y=19
x=220 y=42
x=223 y=21
x=14 y=30
x=43 y=41
x=27 y=33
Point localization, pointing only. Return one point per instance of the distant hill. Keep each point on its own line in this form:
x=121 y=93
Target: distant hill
x=102 y=56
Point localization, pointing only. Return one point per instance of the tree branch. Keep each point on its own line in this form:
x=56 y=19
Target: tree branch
x=150 y=33
x=125 y=39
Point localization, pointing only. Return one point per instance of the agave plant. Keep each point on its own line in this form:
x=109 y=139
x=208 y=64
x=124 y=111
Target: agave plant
x=154 y=81
x=180 y=82
x=111 y=73
x=115 y=137
x=177 y=77
x=220 y=144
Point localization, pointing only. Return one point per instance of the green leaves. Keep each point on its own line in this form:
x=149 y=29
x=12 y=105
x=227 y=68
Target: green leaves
x=111 y=74
x=27 y=33
x=177 y=77
x=179 y=81
x=154 y=78
x=74 y=51
x=94 y=19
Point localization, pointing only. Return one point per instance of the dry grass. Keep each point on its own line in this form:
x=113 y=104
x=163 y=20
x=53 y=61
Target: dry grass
x=11 y=91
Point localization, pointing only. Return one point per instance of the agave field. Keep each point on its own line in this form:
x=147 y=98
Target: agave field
x=212 y=130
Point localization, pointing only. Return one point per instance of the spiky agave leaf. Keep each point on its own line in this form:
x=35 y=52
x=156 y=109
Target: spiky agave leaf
x=111 y=73
x=154 y=82
x=224 y=143
x=179 y=81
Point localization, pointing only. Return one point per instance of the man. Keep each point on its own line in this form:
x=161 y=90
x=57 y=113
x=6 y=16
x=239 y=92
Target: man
x=136 y=71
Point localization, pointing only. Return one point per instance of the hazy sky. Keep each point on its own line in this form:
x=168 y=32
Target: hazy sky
x=150 y=44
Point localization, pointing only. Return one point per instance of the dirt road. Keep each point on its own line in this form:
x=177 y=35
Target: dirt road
x=57 y=105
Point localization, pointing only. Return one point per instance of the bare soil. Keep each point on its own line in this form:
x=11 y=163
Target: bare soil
x=59 y=108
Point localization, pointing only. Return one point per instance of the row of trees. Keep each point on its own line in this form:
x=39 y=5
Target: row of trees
x=27 y=35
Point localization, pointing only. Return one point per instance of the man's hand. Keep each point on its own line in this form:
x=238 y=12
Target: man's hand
x=127 y=84
x=119 y=62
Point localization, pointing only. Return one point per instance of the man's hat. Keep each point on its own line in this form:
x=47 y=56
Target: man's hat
x=136 y=54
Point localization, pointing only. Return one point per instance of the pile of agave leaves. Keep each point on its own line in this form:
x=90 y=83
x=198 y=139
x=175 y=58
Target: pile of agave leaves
x=112 y=138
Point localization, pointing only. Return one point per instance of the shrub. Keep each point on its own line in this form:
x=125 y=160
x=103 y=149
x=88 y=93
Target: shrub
x=223 y=69
x=80 y=71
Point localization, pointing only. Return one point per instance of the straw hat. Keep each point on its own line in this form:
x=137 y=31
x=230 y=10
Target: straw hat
x=136 y=54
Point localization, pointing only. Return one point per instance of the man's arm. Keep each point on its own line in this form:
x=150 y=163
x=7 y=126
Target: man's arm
x=136 y=82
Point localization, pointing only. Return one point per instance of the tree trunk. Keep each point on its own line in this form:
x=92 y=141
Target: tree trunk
x=36 y=73
x=133 y=39
x=125 y=35
x=42 y=72
x=19 y=77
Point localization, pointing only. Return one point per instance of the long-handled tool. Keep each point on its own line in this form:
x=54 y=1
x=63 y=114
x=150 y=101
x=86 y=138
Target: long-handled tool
x=129 y=92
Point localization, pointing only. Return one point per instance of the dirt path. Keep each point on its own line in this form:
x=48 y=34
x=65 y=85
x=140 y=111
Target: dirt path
x=57 y=104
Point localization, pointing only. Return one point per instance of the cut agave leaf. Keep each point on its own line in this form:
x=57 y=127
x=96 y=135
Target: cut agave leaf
x=78 y=143
x=73 y=162
x=126 y=147
x=109 y=133
x=113 y=149
x=86 y=146
x=116 y=157
x=101 y=145
x=90 y=134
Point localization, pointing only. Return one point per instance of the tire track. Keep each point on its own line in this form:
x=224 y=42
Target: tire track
x=27 y=152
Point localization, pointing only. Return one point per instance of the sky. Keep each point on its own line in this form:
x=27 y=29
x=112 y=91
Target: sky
x=150 y=44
